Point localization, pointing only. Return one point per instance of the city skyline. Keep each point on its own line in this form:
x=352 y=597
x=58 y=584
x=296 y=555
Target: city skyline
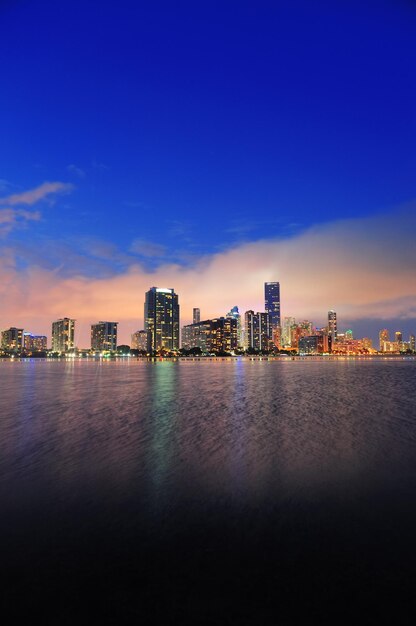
x=296 y=160
x=164 y=331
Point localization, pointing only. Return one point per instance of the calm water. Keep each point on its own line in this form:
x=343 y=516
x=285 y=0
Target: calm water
x=211 y=492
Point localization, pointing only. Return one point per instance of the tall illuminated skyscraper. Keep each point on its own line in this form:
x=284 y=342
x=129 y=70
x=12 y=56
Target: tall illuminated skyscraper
x=104 y=336
x=196 y=316
x=63 y=335
x=234 y=313
x=332 y=327
x=272 y=303
x=383 y=337
x=161 y=318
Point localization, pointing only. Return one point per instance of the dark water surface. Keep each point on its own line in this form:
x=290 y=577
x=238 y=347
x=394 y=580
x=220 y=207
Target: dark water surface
x=211 y=492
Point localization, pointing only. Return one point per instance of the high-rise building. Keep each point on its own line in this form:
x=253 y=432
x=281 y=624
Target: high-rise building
x=63 y=335
x=384 y=338
x=104 y=336
x=140 y=340
x=216 y=335
x=161 y=318
x=286 y=338
x=196 y=316
x=12 y=339
x=257 y=331
x=34 y=343
x=412 y=342
x=332 y=327
x=272 y=302
x=234 y=313
x=311 y=344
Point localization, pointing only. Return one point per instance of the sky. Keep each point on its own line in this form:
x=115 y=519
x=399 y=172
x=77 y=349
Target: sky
x=208 y=147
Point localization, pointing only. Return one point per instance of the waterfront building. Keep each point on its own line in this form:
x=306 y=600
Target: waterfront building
x=272 y=303
x=412 y=345
x=140 y=340
x=367 y=344
x=311 y=344
x=12 y=339
x=234 y=313
x=349 y=334
x=383 y=338
x=258 y=331
x=161 y=319
x=63 y=335
x=34 y=343
x=288 y=323
x=211 y=336
x=104 y=336
x=196 y=316
x=332 y=328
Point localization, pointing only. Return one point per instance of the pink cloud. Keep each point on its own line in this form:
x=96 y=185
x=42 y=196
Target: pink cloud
x=11 y=218
x=35 y=195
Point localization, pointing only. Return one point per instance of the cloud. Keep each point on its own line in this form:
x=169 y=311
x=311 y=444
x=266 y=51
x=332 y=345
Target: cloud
x=12 y=218
x=35 y=195
x=146 y=248
x=73 y=169
x=363 y=268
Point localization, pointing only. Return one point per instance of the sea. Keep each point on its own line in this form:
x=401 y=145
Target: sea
x=208 y=491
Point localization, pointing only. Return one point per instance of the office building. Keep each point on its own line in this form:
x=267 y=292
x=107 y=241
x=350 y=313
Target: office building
x=234 y=313
x=104 y=336
x=211 y=336
x=384 y=338
x=12 y=339
x=34 y=343
x=63 y=335
x=196 y=315
x=258 y=331
x=140 y=340
x=161 y=319
x=332 y=328
x=272 y=303
x=311 y=344
x=286 y=337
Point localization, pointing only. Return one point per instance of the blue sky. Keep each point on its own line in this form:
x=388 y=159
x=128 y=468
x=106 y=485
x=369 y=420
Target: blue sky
x=182 y=130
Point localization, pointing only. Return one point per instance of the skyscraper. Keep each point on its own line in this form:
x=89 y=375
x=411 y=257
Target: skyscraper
x=63 y=334
x=234 y=313
x=196 y=316
x=161 y=318
x=384 y=338
x=257 y=331
x=104 y=336
x=332 y=327
x=272 y=302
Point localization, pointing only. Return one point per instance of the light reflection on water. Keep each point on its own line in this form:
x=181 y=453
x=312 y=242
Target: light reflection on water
x=233 y=428
x=267 y=461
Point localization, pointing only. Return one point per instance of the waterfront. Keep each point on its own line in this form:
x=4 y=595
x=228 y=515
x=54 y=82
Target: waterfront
x=211 y=491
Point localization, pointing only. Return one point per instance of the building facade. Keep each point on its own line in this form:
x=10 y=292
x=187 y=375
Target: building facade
x=140 y=340
x=34 y=343
x=272 y=303
x=332 y=328
x=161 y=319
x=104 y=336
x=211 y=336
x=63 y=335
x=196 y=315
x=258 y=331
x=234 y=313
x=12 y=339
